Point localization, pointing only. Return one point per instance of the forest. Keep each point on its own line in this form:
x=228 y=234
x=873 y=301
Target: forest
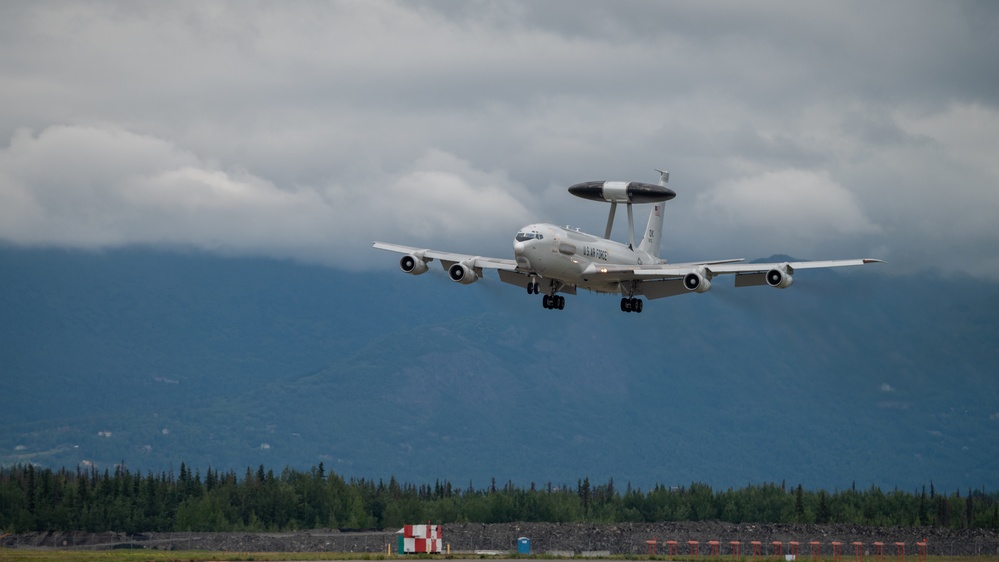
x=42 y=499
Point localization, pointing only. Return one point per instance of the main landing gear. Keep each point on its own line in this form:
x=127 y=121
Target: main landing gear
x=631 y=304
x=553 y=302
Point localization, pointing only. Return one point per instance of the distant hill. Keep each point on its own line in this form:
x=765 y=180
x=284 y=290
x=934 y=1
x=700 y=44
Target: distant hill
x=160 y=357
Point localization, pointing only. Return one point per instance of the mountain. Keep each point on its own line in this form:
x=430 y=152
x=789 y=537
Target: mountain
x=154 y=357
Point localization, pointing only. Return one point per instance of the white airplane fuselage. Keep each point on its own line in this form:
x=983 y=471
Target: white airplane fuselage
x=572 y=256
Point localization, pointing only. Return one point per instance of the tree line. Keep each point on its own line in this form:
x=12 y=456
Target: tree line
x=41 y=499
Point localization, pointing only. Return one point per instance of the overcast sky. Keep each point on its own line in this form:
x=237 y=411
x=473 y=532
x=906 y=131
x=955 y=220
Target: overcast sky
x=308 y=129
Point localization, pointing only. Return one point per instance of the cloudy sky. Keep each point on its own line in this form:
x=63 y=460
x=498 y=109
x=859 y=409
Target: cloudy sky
x=306 y=130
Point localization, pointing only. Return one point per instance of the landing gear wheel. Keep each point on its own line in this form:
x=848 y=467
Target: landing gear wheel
x=631 y=304
x=553 y=302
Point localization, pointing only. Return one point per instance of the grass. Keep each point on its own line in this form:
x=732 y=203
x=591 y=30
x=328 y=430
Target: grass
x=125 y=555
x=55 y=555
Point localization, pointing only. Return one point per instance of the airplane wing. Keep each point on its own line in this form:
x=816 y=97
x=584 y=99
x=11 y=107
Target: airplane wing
x=666 y=280
x=448 y=259
x=621 y=272
x=728 y=266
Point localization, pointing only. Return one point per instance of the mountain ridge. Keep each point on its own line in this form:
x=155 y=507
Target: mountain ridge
x=235 y=362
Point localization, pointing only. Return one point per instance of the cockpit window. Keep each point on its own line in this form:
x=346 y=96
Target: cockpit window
x=525 y=236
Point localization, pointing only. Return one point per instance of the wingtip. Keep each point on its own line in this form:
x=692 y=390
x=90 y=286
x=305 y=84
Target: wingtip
x=872 y=260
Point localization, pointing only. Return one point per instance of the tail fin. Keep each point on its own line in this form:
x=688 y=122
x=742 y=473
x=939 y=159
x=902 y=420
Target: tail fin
x=654 y=231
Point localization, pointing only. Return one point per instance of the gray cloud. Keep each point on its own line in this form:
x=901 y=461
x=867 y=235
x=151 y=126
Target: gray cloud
x=115 y=187
x=306 y=130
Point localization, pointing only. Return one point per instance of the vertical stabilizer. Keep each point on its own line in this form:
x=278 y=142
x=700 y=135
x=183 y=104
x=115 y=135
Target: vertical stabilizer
x=652 y=238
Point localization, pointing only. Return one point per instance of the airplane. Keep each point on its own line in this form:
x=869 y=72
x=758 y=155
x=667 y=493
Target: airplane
x=553 y=259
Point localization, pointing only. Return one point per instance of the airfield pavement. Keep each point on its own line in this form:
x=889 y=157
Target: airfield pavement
x=563 y=539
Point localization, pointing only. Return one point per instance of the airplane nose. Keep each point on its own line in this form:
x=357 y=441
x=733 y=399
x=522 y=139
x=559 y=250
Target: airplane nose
x=518 y=248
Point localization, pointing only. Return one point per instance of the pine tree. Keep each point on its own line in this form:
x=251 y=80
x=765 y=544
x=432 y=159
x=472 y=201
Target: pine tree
x=822 y=514
x=799 y=504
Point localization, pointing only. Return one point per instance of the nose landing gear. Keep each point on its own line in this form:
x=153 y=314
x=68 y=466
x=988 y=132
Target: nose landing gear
x=551 y=300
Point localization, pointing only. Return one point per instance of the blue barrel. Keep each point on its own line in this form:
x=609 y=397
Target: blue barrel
x=524 y=546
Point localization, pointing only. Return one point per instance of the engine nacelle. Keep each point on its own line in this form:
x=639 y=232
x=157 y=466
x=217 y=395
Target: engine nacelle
x=696 y=282
x=779 y=278
x=461 y=273
x=413 y=265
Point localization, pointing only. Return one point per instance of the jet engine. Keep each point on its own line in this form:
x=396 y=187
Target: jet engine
x=779 y=278
x=697 y=282
x=461 y=273
x=413 y=265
